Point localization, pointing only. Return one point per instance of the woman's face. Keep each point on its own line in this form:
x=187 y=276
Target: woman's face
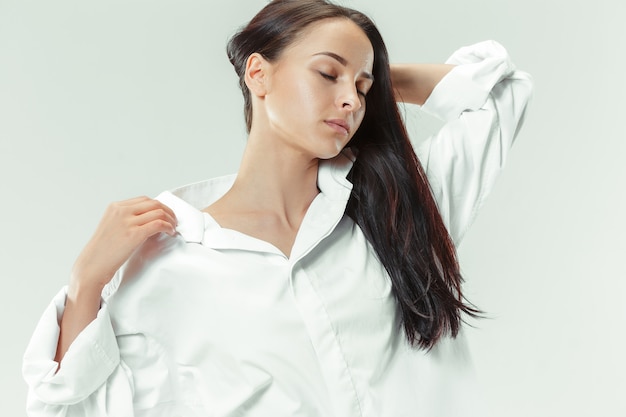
x=315 y=97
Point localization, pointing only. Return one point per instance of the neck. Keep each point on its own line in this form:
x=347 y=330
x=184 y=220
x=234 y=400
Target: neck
x=274 y=188
x=276 y=179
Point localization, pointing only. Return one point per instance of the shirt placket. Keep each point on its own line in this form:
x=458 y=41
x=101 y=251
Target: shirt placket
x=335 y=369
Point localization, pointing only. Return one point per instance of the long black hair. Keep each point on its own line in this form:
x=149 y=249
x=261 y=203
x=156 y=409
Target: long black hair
x=391 y=199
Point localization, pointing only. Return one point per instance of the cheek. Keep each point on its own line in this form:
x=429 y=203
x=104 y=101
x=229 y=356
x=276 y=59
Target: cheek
x=299 y=98
x=307 y=95
x=289 y=102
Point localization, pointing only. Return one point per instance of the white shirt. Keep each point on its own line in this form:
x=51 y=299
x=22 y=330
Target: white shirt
x=213 y=322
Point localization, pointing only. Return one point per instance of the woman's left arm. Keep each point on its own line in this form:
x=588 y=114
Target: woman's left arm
x=482 y=98
x=413 y=83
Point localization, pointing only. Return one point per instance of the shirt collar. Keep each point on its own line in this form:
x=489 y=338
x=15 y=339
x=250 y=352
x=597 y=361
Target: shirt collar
x=188 y=201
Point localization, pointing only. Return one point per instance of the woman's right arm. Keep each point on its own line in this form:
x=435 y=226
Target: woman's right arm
x=72 y=365
x=123 y=228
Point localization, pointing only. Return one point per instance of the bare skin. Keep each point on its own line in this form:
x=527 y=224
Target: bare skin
x=415 y=82
x=296 y=107
x=252 y=204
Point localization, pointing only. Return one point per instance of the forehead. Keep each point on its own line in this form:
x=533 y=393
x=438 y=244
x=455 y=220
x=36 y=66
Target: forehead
x=340 y=36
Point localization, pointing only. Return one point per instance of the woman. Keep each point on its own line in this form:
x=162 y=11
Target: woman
x=322 y=279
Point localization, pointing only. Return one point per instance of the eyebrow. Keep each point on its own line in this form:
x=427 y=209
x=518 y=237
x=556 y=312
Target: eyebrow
x=343 y=62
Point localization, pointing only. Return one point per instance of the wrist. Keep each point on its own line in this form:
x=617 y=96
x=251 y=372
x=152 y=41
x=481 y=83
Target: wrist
x=80 y=287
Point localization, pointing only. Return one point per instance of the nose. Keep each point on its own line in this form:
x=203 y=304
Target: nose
x=350 y=99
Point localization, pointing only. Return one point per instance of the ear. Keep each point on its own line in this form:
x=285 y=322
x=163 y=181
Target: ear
x=256 y=75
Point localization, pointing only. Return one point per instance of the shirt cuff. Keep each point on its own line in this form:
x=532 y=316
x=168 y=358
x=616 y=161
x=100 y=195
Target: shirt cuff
x=89 y=361
x=467 y=86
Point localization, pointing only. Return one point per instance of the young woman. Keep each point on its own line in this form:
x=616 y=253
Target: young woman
x=322 y=280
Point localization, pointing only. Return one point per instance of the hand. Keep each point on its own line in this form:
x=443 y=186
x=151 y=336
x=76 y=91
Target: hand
x=123 y=228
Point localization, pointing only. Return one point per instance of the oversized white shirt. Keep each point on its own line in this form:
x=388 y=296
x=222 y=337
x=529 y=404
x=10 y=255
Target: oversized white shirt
x=213 y=322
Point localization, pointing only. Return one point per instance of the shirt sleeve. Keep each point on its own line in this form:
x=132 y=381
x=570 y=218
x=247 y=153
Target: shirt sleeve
x=91 y=381
x=483 y=101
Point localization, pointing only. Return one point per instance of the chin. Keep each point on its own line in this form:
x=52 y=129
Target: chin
x=331 y=151
x=329 y=154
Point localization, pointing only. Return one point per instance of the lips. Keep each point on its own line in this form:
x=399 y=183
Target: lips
x=338 y=125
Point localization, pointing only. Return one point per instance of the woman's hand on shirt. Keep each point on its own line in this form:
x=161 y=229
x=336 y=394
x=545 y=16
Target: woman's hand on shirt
x=125 y=225
x=123 y=228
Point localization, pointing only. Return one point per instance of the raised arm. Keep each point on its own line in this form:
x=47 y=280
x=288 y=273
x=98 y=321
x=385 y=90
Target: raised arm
x=483 y=99
x=413 y=83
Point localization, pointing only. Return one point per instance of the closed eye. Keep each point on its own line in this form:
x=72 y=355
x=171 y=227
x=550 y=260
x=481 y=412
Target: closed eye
x=333 y=78
x=328 y=76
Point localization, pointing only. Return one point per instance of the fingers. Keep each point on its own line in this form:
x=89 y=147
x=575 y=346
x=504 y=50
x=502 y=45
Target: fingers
x=124 y=226
x=164 y=219
x=133 y=201
x=149 y=216
x=157 y=226
x=141 y=205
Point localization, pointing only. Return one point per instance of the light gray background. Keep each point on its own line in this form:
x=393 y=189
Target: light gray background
x=101 y=101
